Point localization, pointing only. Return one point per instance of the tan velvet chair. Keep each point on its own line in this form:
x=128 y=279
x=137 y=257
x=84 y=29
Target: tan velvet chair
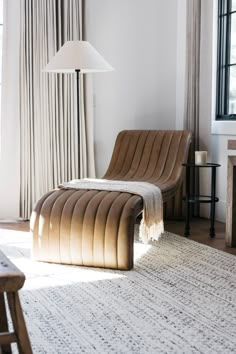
x=96 y=228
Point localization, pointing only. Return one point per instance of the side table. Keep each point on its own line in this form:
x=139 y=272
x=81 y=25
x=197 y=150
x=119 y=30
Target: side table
x=191 y=199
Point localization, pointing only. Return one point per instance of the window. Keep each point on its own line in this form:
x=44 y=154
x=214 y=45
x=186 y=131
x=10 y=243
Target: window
x=226 y=66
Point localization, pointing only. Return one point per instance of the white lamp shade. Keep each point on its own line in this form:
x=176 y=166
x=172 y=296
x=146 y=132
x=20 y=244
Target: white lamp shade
x=77 y=55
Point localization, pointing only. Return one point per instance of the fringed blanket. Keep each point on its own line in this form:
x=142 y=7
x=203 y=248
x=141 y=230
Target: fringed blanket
x=151 y=226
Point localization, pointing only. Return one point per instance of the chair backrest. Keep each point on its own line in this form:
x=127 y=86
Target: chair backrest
x=153 y=156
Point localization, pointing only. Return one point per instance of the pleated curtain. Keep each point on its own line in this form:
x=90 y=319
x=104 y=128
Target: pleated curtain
x=193 y=68
x=50 y=152
x=192 y=101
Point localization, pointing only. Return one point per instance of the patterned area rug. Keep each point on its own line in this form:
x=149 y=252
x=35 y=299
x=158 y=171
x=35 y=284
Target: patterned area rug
x=179 y=298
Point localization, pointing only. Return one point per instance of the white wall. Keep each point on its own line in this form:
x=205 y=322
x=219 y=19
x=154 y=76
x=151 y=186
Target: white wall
x=139 y=39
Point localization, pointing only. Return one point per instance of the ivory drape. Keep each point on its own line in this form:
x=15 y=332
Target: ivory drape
x=192 y=86
x=9 y=117
x=48 y=104
x=193 y=68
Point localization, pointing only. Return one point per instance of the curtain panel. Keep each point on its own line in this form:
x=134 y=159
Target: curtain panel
x=192 y=86
x=9 y=117
x=193 y=68
x=50 y=153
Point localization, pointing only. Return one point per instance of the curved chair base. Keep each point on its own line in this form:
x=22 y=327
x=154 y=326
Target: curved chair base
x=85 y=227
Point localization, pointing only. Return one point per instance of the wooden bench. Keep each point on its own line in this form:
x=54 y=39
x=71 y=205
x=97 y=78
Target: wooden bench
x=11 y=280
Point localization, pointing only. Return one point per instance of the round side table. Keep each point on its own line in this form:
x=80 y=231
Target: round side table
x=191 y=199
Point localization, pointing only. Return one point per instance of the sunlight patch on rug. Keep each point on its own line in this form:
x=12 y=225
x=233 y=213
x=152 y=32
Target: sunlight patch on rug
x=19 y=243
x=140 y=250
x=46 y=275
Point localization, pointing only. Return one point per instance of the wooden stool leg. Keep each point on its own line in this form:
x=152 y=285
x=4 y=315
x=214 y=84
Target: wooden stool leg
x=6 y=348
x=18 y=321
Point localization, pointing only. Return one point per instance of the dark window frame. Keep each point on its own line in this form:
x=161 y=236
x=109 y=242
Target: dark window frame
x=223 y=60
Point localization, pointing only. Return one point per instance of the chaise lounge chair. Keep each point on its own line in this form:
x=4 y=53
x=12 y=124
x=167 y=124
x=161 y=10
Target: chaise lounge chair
x=96 y=228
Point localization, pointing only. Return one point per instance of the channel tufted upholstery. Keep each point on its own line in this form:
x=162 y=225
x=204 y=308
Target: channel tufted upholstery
x=153 y=156
x=96 y=228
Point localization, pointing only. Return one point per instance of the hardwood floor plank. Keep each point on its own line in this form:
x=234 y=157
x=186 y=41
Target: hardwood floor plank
x=15 y=225
x=199 y=231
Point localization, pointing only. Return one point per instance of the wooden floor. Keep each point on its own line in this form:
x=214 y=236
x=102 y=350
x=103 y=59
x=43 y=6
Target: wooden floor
x=199 y=231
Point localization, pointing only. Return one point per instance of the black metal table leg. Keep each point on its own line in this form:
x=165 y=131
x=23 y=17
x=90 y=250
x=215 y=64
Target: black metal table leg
x=213 y=195
x=187 y=205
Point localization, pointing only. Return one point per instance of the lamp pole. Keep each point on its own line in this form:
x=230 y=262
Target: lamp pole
x=78 y=115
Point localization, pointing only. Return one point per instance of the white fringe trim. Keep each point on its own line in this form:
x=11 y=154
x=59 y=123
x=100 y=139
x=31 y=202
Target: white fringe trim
x=150 y=232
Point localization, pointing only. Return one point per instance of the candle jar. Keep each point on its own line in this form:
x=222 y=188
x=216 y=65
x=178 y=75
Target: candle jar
x=200 y=157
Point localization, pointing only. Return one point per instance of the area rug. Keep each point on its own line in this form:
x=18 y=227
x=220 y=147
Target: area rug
x=179 y=298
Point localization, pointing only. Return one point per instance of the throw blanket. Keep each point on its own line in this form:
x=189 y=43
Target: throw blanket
x=151 y=226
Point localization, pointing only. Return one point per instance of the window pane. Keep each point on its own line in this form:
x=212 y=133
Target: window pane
x=233 y=39
x=233 y=5
x=232 y=90
x=226 y=68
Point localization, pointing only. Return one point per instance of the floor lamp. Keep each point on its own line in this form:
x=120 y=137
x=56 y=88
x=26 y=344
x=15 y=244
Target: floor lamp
x=77 y=57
